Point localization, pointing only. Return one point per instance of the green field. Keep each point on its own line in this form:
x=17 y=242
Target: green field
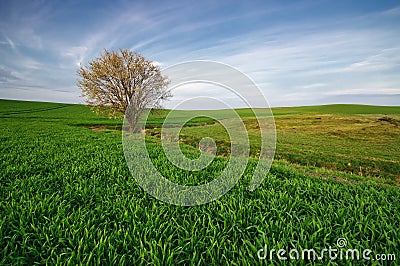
x=357 y=139
x=67 y=196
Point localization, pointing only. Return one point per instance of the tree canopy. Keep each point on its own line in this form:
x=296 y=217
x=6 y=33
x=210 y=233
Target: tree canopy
x=120 y=79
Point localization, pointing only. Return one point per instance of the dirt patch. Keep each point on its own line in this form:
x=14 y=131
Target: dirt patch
x=389 y=120
x=97 y=128
x=100 y=127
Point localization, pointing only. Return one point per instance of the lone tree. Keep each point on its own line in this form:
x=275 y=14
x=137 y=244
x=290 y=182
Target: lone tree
x=117 y=80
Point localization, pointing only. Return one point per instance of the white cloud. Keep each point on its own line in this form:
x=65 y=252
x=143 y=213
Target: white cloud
x=392 y=12
x=11 y=44
x=299 y=61
x=77 y=53
x=312 y=86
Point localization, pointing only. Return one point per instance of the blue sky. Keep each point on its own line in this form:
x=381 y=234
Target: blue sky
x=297 y=52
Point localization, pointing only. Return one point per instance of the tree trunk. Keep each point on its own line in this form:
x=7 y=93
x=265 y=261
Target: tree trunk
x=133 y=121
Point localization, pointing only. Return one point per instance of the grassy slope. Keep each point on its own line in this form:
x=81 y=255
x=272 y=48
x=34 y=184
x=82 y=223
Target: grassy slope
x=348 y=138
x=67 y=196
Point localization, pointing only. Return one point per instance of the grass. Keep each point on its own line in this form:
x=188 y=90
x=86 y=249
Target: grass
x=351 y=138
x=67 y=196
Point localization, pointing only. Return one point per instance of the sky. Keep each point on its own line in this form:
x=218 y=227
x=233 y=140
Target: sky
x=298 y=53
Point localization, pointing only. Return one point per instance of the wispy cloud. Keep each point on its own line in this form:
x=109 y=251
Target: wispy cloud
x=11 y=44
x=77 y=53
x=298 y=53
x=7 y=75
